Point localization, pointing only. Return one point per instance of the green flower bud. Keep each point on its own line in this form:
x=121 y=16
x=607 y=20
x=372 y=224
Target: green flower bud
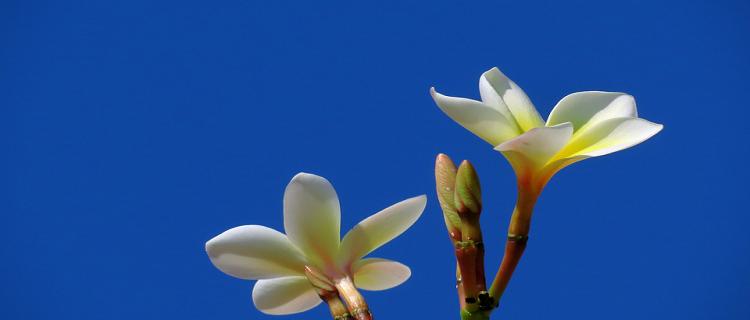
x=468 y=193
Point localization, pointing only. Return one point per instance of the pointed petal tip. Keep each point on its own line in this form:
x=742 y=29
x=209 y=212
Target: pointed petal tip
x=492 y=70
x=617 y=134
x=436 y=96
x=421 y=198
x=302 y=176
x=656 y=127
x=420 y=201
x=209 y=247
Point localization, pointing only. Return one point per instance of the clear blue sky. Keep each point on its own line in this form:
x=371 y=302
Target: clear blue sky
x=134 y=131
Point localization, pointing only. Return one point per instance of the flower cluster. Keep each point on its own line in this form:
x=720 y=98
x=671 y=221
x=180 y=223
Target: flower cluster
x=310 y=263
x=582 y=125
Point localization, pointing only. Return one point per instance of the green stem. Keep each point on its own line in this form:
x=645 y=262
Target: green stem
x=481 y=315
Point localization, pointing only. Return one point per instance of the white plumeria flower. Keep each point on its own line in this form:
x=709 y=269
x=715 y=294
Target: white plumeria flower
x=582 y=125
x=312 y=223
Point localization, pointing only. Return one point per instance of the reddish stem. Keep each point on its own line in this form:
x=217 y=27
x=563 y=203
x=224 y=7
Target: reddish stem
x=518 y=232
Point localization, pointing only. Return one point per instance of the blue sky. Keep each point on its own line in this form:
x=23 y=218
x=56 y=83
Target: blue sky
x=134 y=131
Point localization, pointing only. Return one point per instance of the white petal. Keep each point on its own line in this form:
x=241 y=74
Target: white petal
x=312 y=217
x=285 y=295
x=514 y=98
x=377 y=229
x=482 y=120
x=537 y=146
x=255 y=252
x=491 y=98
x=379 y=274
x=591 y=107
x=611 y=135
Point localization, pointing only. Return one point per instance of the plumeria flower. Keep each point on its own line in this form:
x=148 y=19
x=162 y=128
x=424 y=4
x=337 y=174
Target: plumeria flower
x=582 y=125
x=312 y=242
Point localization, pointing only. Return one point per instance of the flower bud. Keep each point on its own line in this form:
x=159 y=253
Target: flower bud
x=468 y=193
x=445 y=180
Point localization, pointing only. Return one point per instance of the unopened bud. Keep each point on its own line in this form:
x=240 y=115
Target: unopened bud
x=468 y=193
x=445 y=180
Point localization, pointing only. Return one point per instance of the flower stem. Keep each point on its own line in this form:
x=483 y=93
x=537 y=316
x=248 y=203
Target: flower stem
x=335 y=305
x=354 y=301
x=328 y=293
x=482 y=315
x=518 y=235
